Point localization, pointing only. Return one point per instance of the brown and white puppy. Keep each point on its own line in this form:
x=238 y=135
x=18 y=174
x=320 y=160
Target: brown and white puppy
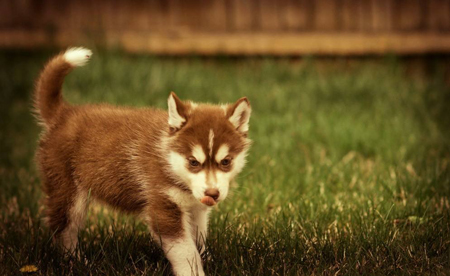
x=167 y=167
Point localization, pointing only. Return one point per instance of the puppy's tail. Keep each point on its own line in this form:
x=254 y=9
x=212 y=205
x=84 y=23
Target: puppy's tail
x=47 y=96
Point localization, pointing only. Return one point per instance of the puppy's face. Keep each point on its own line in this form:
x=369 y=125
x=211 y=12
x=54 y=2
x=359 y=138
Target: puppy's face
x=208 y=145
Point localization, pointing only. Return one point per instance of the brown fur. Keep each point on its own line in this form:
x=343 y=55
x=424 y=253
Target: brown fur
x=133 y=160
x=105 y=150
x=48 y=98
x=111 y=151
x=196 y=131
x=102 y=149
x=166 y=222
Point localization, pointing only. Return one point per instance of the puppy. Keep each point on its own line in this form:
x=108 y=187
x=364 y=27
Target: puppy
x=167 y=167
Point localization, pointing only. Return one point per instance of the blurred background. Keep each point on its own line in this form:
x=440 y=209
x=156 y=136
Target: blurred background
x=231 y=27
x=349 y=172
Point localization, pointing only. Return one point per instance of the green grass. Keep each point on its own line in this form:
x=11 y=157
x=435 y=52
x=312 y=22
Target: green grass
x=349 y=172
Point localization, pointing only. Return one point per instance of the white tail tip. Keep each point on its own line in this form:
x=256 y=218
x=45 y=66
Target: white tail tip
x=78 y=56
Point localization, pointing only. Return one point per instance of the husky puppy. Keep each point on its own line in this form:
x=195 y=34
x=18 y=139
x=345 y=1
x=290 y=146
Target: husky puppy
x=167 y=167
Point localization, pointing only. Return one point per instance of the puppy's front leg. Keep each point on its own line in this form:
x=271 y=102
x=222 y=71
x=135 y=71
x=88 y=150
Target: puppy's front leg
x=199 y=221
x=183 y=255
x=170 y=226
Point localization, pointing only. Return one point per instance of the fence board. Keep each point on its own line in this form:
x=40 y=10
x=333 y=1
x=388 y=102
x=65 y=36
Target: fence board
x=409 y=15
x=351 y=15
x=248 y=43
x=268 y=15
x=183 y=26
x=213 y=15
x=243 y=17
x=438 y=15
x=295 y=15
x=366 y=19
x=7 y=14
x=382 y=15
x=325 y=16
x=134 y=15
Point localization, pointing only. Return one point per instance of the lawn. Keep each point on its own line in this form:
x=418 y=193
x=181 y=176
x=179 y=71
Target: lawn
x=349 y=172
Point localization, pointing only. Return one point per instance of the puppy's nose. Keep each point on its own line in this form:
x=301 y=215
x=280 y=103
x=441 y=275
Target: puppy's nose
x=212 y=192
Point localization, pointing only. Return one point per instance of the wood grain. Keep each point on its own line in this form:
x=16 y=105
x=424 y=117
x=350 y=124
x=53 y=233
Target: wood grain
x=291 y=27
x=252 y=43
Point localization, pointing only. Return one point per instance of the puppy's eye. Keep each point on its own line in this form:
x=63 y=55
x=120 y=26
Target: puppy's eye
x=225 y=162
x=193 y=162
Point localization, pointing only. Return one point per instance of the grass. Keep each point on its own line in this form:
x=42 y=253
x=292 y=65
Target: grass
x=349 y=172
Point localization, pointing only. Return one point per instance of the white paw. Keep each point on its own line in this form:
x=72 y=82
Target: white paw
x=78 y=56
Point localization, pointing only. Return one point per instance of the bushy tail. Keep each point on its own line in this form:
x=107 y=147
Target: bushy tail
x=47 y=96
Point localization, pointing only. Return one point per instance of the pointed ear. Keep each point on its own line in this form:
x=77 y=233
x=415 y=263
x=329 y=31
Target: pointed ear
x=239 y=115
x=177 y=112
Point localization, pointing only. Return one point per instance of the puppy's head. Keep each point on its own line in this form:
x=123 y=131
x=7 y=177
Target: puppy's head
x=208 y=145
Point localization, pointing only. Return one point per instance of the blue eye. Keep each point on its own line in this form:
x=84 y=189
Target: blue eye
x=193 y=162
x=225 y=162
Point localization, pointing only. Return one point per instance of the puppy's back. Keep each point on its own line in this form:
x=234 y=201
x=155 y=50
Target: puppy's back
x=106 y=150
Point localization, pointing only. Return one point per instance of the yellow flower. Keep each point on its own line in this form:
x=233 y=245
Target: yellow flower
x=29 y=269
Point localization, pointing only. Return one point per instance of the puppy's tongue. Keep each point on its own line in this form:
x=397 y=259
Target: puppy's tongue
x=207 y=200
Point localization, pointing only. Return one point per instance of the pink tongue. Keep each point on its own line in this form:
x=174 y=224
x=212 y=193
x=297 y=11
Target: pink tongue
x=207 y=200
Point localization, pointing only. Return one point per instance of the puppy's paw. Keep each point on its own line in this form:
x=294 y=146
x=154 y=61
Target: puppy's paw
x=78 y=56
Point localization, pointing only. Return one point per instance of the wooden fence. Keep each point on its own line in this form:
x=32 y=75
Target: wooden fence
x=238 y=27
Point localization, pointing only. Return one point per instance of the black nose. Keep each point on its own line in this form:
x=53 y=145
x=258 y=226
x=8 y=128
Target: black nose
x=212 y=192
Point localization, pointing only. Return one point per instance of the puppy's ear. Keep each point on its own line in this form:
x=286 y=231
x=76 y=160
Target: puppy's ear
x=239 y=115
x=177 y=112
